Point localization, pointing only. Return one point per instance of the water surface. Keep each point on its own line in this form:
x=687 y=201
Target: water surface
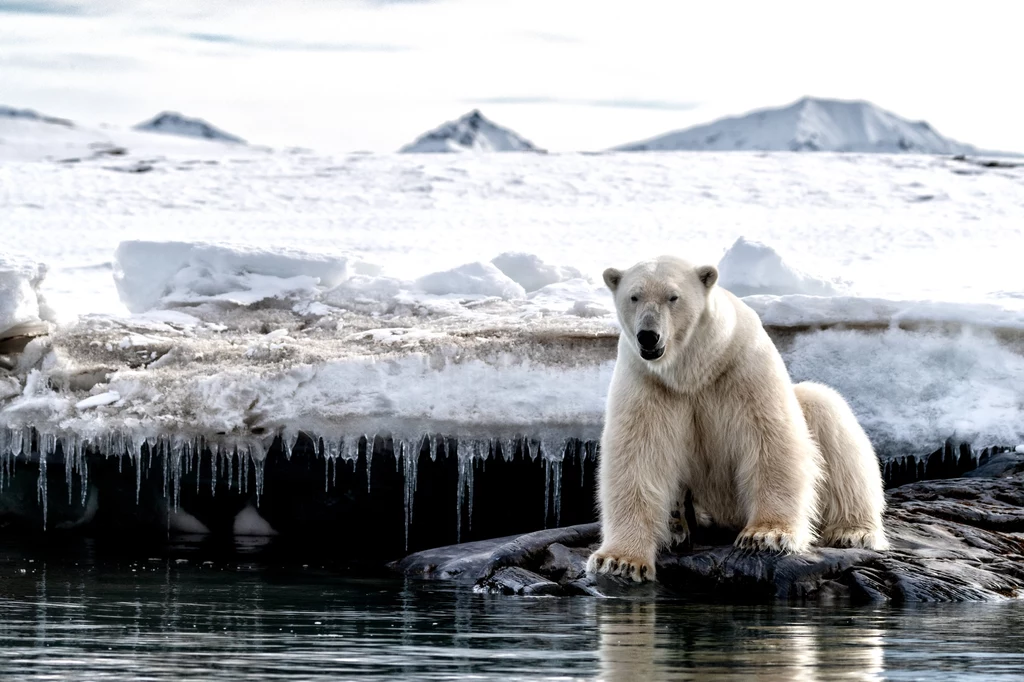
x=170 y=618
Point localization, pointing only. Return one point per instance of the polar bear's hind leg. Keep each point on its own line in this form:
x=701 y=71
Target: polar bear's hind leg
x=851 y=496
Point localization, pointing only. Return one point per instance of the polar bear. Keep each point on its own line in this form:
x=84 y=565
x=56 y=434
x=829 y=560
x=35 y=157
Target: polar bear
x=701 y=401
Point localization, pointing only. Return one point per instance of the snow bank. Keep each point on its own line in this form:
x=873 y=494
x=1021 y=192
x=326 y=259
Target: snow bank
x=908 y=389
x=21 y=305
x=853 y=311
x=750 y=268
x=471 y=279
x=577 y=296
x=173 y=274
x=530 y=272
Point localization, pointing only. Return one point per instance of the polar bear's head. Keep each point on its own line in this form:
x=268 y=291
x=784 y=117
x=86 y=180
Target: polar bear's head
x=660 y=302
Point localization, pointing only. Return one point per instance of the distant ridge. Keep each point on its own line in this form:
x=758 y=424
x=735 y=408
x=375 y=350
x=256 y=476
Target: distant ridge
x=29 y=114
x=173 y=123
x=472 y=132
x=810 y=124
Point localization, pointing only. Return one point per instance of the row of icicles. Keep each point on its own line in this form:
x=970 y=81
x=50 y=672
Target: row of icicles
x=231 y=459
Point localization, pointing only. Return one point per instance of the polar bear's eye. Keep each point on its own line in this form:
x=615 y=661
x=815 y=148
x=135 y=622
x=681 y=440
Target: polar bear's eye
x=673 y=298
x=634 y=299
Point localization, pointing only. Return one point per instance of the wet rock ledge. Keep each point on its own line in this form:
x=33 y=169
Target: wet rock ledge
x=952 y=540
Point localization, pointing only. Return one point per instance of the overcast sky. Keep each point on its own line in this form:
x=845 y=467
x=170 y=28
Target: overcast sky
x=342 y=75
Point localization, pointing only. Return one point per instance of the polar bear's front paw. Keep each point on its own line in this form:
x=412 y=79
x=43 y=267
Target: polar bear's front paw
x=768 y=538
x=610 y=562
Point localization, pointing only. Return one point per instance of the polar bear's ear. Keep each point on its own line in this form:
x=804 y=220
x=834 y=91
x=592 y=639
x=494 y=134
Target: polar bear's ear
x=708 y=274
x=612 y=277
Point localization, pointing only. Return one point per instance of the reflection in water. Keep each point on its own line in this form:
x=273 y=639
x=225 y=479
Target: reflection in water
x=649 y=641
x=164 y=620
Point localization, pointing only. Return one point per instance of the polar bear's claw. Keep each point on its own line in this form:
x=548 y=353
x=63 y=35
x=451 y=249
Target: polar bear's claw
x=767 y=539
x=611 y=563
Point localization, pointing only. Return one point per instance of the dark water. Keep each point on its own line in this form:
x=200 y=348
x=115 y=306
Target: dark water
x=183 y=618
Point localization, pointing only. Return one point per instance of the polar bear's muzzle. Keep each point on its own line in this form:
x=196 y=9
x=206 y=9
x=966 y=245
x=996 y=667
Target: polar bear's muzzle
x=650 y=344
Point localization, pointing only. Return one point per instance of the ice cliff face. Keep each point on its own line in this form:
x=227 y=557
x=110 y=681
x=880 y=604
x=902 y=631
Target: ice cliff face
x=173 y=123
x=472 y=132
x=810 y=124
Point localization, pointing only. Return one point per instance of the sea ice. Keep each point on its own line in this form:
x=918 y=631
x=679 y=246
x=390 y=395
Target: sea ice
x=471 y=279
x=22 y=307
x=750 y=267
x=169 y=274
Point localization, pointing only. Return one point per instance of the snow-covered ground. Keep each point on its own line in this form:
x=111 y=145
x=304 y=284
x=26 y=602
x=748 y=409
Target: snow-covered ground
x=900 y=227
x=461 y=295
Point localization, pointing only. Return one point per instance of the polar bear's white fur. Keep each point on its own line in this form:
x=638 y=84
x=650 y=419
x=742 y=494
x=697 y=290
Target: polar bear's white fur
x=701 y=401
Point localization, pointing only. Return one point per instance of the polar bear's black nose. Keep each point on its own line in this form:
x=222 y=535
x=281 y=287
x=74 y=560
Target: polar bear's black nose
x=647 y=339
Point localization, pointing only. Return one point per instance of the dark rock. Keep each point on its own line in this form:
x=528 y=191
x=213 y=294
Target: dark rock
x=567 y=564
x=515 y=580
x=473 y=561
x=999 y=465
x=952 y=540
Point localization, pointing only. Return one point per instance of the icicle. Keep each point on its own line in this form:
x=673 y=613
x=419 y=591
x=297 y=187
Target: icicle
x=465 y=456
x=69 y=467
x=332 y=451
x=258 y=465
x=433 y=447
x=18 y=441
x=369 y=460
x=229 y=457
x=410 y=460
x=152 y=442
x=137 y=460
x=350 y=450
x=46 y=446
x=81 y=450
x=553 y=456
x=556 y=481
x=164 y=463
x=243 y=471
x=460 y=494
x=178 y=454
x=258 y=455
x=214 y=467
x=288 y=440
x=508 y=449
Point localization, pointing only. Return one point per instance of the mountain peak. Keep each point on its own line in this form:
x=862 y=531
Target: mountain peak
x=811 y=124
x=173 y=123
x=471 y=132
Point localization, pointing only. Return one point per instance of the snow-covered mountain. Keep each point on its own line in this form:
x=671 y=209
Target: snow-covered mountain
x=810 y=124
x=473 y=133
x=173 y=123
x=30 y=115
